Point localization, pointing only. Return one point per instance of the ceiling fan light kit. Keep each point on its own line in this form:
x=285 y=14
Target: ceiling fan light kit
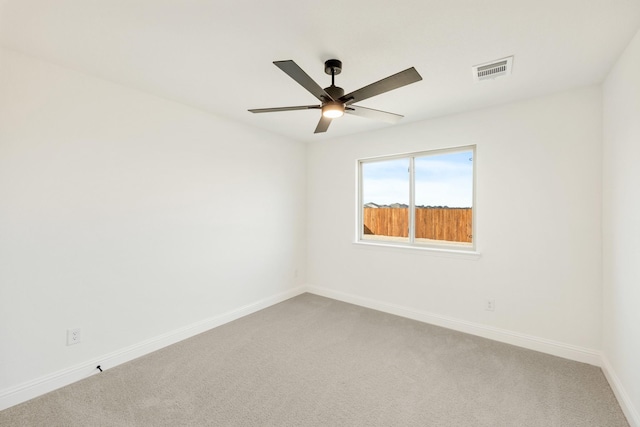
x=334 y=102
x=333 y=110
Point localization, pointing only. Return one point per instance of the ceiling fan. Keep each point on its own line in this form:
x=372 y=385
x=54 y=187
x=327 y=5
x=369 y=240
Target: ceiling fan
x=334 y=103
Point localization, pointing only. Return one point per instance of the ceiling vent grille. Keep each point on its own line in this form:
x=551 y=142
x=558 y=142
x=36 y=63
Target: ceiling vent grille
x=492 y=70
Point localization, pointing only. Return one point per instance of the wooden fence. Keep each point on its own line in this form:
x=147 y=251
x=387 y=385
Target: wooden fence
x=450 y=224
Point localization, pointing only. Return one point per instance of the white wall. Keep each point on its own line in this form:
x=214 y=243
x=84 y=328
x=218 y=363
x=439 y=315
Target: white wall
x=130 y=216
x=538 y=221
x=621 y=225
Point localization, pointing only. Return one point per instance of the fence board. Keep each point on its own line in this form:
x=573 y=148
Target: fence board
x=449 y=224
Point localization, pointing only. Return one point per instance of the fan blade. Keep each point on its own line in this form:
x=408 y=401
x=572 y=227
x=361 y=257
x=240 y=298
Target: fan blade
x=323 y=125
x=274 y=110
x=373 y=114
x=403 y=78
x=297 y=74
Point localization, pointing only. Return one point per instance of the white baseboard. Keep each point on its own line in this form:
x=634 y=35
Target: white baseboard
x=39 y=386
x=567 y=351
x=633 y=418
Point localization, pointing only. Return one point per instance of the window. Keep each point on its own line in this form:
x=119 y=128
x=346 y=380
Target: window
x=420 y=199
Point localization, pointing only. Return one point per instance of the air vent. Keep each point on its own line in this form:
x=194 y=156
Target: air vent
x=492 y=70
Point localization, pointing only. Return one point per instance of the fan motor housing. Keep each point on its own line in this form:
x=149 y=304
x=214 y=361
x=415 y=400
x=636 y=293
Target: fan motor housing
x=334 y=92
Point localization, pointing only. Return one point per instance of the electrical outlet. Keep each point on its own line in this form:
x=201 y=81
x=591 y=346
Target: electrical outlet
x=490 y=304
x=73 y=336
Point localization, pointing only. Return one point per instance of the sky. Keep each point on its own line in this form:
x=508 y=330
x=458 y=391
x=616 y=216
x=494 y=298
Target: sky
x=441 y=180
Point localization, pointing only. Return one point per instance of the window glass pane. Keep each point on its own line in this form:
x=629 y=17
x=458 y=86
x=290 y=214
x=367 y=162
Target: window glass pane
x=385 y=199
x=444 y=198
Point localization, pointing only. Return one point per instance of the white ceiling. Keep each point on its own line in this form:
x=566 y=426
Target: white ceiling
x=217 y=55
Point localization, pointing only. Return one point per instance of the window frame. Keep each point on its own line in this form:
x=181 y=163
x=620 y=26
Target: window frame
x=443 y=246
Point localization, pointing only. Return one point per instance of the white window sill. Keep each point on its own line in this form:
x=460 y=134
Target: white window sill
x=427 y=250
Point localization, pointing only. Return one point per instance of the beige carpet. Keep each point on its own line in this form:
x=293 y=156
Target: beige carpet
x=313 y=361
